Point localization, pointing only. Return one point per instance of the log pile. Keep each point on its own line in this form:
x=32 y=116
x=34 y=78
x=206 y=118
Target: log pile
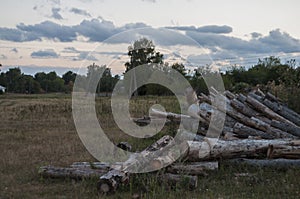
x=259 y=130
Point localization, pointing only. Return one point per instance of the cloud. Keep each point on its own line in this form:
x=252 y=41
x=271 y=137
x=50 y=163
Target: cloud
x=205 y=29
x=56 y=14
x=80 y=12
x=85 y=56
x=81 y=55
x=46 y=29
x=2 y=56
x=255 y=35
x=151 y=1
x=213 y=38
x=49 y=53
x=15 y=50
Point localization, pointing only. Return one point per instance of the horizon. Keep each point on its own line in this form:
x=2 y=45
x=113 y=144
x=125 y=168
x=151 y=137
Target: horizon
x=54 y=34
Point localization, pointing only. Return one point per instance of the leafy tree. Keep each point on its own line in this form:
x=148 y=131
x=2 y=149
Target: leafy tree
x=69 y=77
x=140 y=53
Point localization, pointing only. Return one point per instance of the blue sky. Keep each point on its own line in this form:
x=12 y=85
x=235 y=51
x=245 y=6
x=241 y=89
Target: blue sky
x=59 y=33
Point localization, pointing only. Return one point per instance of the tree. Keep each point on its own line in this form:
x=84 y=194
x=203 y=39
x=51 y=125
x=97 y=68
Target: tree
x=141 y=52
x=69 y=77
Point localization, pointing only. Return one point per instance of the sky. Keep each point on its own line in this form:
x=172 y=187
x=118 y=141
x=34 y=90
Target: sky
x=46 y=35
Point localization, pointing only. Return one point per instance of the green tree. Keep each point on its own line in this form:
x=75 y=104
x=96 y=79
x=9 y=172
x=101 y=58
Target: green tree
x=140 y=53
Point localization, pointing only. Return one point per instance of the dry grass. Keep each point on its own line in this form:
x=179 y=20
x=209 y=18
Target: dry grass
x=38 y=130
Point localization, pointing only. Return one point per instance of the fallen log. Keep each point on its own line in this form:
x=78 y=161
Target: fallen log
x=243 y=131
x=283 y=111
x=289 y=128
x=220 y=149
x=192 y=168
x=109 y=182
x=91 y=165
x=71 y=173
x=273 y=163
x=265 y=110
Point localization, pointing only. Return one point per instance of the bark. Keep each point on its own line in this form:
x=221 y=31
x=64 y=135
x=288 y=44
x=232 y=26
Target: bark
x=283 y=111
x=243 y=131
x=265 y=110
x=72 y=173
x=273 y=163
x=289 y=128
x=91 y=165
x=192 y=168
x=199 y=151
x=109 y=182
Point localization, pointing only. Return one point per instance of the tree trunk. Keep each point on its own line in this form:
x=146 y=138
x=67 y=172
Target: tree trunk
x=192 y=168
x=243 y=131
x=199 y=151
x=292 y=129
x=265 y=110
x=274 y=163
x=72 y=173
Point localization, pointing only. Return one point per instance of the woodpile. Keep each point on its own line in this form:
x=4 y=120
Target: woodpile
x=259 y=130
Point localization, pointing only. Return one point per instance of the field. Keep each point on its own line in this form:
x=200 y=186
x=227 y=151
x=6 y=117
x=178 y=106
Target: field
x=37 y=130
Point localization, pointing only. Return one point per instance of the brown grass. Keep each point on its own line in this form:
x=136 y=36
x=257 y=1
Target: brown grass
x=37 y=130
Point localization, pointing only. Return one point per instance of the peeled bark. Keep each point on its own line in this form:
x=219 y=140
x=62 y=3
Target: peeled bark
x=199 y=151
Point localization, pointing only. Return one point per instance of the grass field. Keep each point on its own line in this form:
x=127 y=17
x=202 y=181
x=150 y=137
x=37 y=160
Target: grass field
x=37 y=130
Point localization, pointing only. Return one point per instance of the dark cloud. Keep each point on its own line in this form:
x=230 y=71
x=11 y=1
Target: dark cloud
x=70 y=50
x=255 y=35
x=80 y=12
x=205 y=29
x=221 y=46
x=15 y=50
x=46 y=29
x=49 y=53
x=56 y=14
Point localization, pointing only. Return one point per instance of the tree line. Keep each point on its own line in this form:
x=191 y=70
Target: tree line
x=269 y=74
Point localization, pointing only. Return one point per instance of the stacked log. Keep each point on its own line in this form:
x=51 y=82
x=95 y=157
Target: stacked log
x=259 y=130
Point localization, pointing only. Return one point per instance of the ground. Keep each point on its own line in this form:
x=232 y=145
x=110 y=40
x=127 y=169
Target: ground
x=37 y=130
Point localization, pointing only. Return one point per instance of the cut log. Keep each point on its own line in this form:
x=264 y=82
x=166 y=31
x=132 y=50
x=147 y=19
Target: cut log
x=265 y=110
x=146 y=120
x=109 y=182
x=199 y=151
x=243 y=108
x=174 y=180
x=91 y=165
x=283 y=111
x=243 y=131
x=168 y=115
x=273 y=163
x=289 y=128
x=192 y=168
x=72 y=173
x=229 y=95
